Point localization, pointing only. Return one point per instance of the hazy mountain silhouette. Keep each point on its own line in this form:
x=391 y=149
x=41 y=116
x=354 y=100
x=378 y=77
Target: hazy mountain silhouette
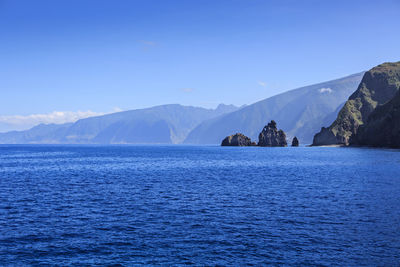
x=165 y=124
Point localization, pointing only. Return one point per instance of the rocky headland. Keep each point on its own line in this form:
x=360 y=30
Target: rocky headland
x=378 y=86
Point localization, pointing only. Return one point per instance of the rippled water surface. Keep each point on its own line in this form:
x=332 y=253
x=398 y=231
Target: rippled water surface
x=172 y=205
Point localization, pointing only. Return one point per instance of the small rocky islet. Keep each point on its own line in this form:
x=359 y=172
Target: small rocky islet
x=237 y=139
x=295 y=141
x=270 y=136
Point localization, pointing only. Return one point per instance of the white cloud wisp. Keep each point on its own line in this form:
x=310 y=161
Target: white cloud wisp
x=263 y=84
x=325 y=90
x=21 y=122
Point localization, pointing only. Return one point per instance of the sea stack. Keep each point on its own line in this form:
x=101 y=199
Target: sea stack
x=237 y=139
x=271 y=136
x=295 y=141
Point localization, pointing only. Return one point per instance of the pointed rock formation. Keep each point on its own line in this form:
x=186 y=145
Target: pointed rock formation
x=295 y=141
x=237 y=140
x=270 y=136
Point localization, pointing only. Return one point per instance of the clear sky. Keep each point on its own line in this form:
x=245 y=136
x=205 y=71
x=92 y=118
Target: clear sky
x=100 y=56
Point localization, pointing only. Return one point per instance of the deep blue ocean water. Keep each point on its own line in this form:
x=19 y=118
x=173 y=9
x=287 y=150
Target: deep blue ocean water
x=174 y=205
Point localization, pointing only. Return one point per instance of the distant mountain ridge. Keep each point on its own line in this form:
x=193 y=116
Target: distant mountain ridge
x=165 y=124
x=300 y=112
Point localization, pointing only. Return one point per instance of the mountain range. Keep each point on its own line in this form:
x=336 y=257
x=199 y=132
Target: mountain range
x=165 y=124
x=300 y=112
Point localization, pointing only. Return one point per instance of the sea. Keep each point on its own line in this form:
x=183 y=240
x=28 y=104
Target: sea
x=123 y=205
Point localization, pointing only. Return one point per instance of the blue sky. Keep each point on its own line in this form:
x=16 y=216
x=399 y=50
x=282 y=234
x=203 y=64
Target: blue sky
x=81 y=55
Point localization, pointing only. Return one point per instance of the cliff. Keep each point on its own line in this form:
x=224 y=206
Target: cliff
x=382 y=128
x=377 y=87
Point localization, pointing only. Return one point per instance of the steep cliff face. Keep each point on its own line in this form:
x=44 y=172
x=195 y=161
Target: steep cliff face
x=237 y=140
x=271 y=136
x=382 y=128
x=377 y=87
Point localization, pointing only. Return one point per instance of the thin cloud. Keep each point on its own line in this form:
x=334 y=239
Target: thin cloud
x=263 y=84
x=148 y=43
x=325 y=90
x=117 y=109
x=187 y=90
x=21 y=122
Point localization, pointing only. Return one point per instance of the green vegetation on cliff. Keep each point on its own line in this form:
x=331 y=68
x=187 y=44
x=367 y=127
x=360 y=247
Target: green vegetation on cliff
x=377 y=87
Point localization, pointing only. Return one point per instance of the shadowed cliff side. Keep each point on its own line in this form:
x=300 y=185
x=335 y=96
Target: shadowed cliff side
x=382 y=128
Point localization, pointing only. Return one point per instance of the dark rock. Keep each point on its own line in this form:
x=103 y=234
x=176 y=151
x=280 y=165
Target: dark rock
x=378 y=86
x=382 y=128
x=295 y=141
x=325 y=137
x=237 y=140
x=270 y=136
